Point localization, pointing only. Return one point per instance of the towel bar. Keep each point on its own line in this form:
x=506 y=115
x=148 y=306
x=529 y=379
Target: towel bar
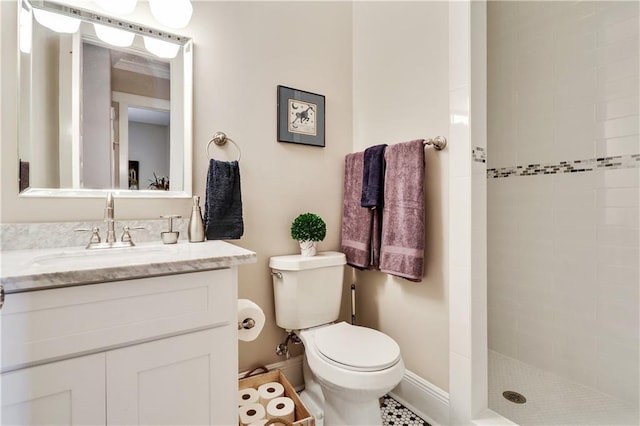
x=439 y=142
x=220 y=139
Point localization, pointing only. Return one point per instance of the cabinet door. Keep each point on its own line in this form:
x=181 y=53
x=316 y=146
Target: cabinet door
x=60 y=393
x=189 y=379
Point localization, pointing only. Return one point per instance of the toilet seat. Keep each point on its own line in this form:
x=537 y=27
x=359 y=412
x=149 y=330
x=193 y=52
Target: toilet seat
x=356 y=348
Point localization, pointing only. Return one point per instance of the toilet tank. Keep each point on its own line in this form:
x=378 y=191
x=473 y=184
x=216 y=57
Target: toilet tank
x=307 y=289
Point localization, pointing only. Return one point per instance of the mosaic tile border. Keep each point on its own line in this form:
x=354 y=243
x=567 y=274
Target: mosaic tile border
x=478 y=154
x=576 y=166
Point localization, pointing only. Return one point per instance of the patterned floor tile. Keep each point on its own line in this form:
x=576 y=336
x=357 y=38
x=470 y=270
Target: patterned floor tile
x=396 y=414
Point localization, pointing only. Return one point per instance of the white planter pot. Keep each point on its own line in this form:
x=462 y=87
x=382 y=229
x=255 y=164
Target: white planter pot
x=308 y=248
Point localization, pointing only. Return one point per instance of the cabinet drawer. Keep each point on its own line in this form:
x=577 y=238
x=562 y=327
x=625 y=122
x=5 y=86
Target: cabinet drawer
x=52 y=324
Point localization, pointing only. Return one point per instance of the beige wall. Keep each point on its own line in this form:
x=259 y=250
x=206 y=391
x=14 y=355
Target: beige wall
x=401 y=92
x=140 y=84
x=248 y=49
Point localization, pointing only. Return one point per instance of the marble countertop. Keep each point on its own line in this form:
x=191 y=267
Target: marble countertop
x=36 y=269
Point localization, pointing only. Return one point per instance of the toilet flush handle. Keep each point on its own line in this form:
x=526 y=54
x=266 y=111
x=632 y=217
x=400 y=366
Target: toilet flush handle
x=278 y=275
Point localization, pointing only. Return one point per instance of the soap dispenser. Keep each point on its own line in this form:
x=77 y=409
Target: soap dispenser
x=196 y=225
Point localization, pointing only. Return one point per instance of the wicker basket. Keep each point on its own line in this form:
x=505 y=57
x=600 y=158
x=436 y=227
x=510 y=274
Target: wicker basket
x=253 y=380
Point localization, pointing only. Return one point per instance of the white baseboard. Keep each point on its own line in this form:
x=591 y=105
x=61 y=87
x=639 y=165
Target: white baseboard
x=292 y=368
x=423 y=398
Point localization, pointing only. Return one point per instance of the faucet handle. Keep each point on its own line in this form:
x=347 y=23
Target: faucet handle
x=126 y=236
x=95 y=234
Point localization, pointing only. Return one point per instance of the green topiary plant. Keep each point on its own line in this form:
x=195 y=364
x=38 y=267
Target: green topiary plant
x=308 y=227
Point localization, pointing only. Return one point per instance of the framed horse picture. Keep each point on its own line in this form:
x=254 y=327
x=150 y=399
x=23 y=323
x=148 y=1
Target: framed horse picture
x=301 y=117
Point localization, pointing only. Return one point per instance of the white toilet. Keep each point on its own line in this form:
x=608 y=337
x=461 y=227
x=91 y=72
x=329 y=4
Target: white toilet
x=347 y=368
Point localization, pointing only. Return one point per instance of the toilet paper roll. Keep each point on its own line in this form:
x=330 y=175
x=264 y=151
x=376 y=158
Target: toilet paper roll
x=248 y=309
x=268 y=391
x=259 y=422
x=248 y=396
x=282 y=407
x=251 y=413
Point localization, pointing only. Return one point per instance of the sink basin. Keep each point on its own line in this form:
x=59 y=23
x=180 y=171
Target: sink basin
x=99 y=257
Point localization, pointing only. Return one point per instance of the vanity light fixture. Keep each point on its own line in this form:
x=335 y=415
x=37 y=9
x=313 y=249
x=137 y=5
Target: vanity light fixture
x=114 y=36
x=25 y=29
x=56 y=22
x=161 y=48
x=117 y=7
x=172 y=13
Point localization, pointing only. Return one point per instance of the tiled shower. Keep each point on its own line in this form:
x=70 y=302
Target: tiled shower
x=563 y=189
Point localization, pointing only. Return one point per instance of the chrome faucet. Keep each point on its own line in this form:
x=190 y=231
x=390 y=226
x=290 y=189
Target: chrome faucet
x=108 y=217
x=110 y=241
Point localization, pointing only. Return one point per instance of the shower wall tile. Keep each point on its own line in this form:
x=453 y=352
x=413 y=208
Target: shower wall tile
x=618 y=236
x=564 y=258
x=619 y=256
x=617 y=89
x=569 y=80
x=617 y=107
x=618 y=351
x=460 y=131
x=616 y=12
x=563 y=194
x=618 y=127
x=618 y=216
x=626 y=145
x=617 y=51
x=622 y=178
x=460 y=235
x=575 y=225
x=460 y=63
x=615 y=70
x=616 y=32
x=617 y=197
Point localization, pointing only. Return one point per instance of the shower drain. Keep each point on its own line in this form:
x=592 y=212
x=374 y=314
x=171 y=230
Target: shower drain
x=514 y=397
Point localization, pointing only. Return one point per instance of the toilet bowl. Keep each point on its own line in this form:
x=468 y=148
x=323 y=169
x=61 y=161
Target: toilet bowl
x=354 y=366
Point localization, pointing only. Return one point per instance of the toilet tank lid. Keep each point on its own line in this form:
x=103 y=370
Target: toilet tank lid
x=298 y=262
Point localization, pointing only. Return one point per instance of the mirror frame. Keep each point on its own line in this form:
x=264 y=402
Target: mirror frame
x=186 y=43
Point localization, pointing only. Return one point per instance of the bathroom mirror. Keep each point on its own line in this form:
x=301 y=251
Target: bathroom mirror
x=104 y=105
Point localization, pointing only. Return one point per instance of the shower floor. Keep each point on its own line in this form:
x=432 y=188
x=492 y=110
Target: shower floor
x=551 y=399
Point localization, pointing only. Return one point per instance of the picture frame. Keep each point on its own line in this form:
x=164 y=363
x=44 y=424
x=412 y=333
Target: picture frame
x=301 y=117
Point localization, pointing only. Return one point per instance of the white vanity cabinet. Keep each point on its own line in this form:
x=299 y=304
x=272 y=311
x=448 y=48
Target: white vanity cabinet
x=159 y=350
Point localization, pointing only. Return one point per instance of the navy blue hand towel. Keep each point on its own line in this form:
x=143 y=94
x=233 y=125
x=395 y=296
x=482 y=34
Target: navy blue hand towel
x=223 y=205
x=373 y=177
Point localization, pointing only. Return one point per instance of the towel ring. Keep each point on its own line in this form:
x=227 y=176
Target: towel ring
x=220 y=139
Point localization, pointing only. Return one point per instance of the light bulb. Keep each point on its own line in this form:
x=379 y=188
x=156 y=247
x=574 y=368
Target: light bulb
x=55 y=22
x=161 y=48
x=114 y=36
x=172 y=13
x=117 y=7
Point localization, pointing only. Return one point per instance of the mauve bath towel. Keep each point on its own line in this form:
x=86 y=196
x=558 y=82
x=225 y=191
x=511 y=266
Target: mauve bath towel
x=223 y=205
x=402 y=248
x=356 y=220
